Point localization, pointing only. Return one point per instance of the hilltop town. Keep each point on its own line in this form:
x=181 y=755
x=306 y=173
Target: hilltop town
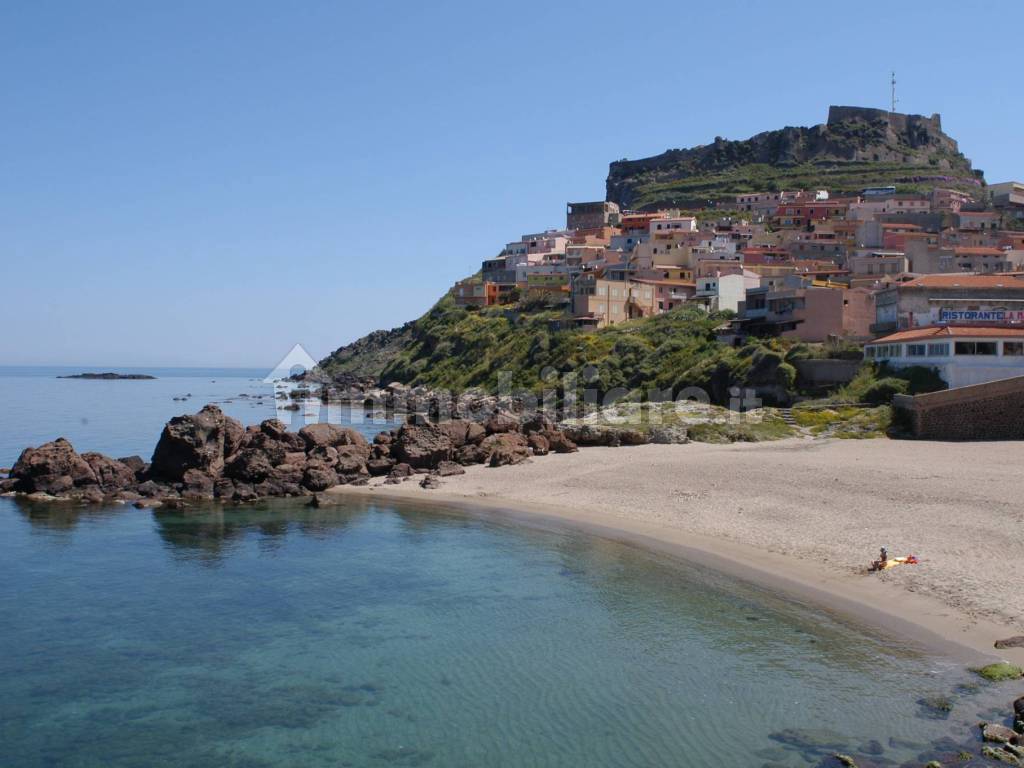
x=931 y=277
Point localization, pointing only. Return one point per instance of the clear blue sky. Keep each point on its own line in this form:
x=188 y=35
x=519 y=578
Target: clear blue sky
x=210 y=182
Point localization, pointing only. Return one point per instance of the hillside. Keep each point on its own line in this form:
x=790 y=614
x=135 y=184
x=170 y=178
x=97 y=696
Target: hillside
x=856 y=148
x=457 y=349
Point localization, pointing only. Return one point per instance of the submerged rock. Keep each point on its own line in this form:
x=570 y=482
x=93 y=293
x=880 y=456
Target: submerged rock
x=996 y=733
x=1000 y=671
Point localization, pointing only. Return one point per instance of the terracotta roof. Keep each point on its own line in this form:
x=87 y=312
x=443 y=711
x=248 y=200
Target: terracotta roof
x=951 y=331
x=965 y=281
x=977 y=251
x=663 y=281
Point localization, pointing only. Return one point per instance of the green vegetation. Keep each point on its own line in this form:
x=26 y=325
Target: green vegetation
x=458 y=348
x=876 y=384
x=845 y=422
x=760 y=177
x=1000 y=671
x=740 y=431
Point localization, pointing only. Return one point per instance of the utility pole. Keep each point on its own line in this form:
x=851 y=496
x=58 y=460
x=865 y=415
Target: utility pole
x=894 y=99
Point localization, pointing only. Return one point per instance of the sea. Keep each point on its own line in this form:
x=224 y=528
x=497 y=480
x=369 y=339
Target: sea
x=392 y=634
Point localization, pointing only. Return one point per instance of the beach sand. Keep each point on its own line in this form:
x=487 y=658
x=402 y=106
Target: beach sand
x=801 y=515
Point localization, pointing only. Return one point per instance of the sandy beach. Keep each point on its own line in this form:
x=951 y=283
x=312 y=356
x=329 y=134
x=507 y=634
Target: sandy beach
x=805 y=516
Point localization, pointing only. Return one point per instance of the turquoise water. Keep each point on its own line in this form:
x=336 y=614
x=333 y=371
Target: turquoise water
x=378 y=635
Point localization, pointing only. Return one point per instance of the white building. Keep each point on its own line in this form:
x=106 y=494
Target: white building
x=720 y=292
x=961 y=355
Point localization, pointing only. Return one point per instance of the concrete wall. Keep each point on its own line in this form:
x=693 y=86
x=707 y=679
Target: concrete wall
x=992 y=411
x=820 y=373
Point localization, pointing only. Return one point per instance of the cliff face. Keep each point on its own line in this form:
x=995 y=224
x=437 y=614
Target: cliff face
x=856 y=148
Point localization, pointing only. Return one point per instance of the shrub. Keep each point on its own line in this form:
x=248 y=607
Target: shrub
x=882 y=391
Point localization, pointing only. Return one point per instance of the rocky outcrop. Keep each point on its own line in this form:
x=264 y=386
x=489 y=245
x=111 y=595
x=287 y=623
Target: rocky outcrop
x=209 y=456
x=192 y=442
x=860 y=147
x=422 y=446
x=505 y=448
x=52 y=468
x=602 y=435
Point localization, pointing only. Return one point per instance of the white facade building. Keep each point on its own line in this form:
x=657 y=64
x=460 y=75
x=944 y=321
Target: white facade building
x=961 y=355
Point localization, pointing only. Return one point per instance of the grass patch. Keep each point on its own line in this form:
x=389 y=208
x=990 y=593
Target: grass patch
x=845 y=422
x=745 y=431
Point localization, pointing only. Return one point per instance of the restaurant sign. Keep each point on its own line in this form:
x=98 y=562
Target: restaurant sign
x=981 y=315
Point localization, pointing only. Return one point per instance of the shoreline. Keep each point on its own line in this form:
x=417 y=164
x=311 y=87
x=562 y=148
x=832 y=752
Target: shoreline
x=883 y=604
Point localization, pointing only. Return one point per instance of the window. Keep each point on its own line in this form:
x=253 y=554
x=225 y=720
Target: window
x=1013 y=348
x=975 y=348
x=869 y=352
x=916 y=350
x=938 y=350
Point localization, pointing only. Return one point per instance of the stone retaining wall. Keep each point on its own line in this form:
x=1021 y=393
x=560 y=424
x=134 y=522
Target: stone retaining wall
x=990 y=411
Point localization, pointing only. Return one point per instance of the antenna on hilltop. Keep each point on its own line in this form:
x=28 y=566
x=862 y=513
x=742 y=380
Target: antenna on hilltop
x=894 y=99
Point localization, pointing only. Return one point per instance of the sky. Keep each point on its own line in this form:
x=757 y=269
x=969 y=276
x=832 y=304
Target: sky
x=209 y=183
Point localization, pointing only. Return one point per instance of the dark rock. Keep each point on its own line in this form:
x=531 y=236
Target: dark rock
x=8 y=485
x=430 y=481
x=150 y=489
x=1017 y=641
x=505 y=448
x=148 y=504
x=601 y=435
x=323 y=454
x=250 y=465
x=325 y=500
x=538 y=423
x=401 y=471
x=330 y=435
x=501 y=423
x=470 y=454
x=559 y=442
x=936 y=707
x=234 y=433
x=191 y=442
x=295 y=458
x=422 y=446
x=352 y=459
x=245 y=492
x=111 y=474
x=449 y=468
x=52 y=468
x=274 y=429
x=224 y=488
x=197 y=485
x=462 y=431
x=136 y=464
x=92 y=495
x=538 y=444
x=382 y=438
x=319 y=478
x=379 y=466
